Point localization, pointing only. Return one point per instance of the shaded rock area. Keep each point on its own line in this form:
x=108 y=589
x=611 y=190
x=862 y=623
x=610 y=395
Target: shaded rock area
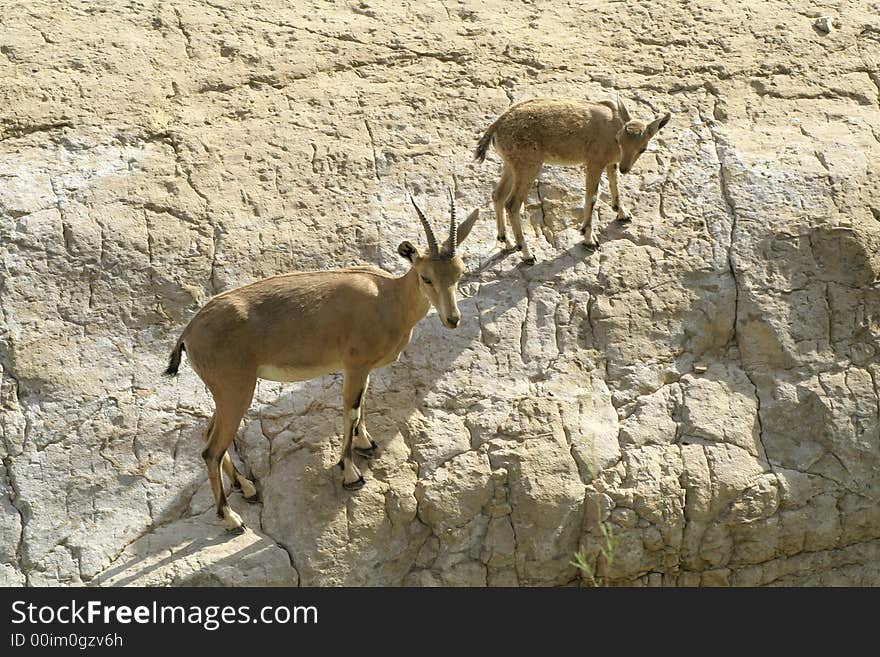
x=703 y=387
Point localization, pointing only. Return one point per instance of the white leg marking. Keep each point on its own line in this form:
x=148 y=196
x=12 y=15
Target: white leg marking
x=363 y=439
x=247 y=487
x=231 y=519
x=350 y=472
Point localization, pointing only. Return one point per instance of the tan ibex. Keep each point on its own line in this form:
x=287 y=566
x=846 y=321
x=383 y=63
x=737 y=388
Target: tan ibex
x=562 y=131
x=298 y=326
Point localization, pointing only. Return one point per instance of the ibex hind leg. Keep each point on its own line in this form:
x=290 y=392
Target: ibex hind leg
x=248 y=489
x=232 y=404
x=523 y=178
x=499 y=196
x=236 y=478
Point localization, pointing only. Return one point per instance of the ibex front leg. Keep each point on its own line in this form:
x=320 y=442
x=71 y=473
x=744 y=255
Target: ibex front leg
x=616 y=205
x=353 y=390
x=591 y=186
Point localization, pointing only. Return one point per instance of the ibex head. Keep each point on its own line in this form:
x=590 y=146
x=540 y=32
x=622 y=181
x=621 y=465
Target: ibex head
x=440 y=267
x=633 y=137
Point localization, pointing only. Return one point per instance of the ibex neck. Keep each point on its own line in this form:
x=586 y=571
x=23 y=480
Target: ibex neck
x=415 y=304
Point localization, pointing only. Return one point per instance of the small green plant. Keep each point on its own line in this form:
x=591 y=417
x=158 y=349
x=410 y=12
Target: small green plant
x=599 y=576
x=580 y=562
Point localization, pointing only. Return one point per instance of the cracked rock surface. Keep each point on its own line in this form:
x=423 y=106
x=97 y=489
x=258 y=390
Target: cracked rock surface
x=705 y=384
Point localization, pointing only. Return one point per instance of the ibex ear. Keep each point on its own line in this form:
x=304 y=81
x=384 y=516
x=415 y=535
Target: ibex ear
x=464 y=228
x=655 y=125
x=408 y=251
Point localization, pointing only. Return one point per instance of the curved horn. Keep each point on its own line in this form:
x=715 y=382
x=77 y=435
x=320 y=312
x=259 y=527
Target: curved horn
x=432 y=241
x=453 y=228
x=621 y=109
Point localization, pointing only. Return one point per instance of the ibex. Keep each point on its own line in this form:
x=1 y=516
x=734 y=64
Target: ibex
x=563 y=131
x=301 y=325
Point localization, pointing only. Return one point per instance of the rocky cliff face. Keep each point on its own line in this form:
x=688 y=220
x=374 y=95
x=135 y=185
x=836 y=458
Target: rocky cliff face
x=704 y=386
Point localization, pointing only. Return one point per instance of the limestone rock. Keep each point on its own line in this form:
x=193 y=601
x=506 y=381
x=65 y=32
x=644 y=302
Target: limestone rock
x=703 y=388
x=825 y=24
x=198 y=552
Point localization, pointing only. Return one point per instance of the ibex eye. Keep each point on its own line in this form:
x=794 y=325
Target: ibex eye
x=426 y=280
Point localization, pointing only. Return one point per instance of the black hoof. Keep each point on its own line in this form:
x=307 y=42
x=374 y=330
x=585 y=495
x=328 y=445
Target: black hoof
x=591 y=246
x=341 y=464
x=529 y=261
x=237 y=531
x=625 y=220
x=367 y=452
x=502 y=238
x=255 y=499
x=357 y=484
